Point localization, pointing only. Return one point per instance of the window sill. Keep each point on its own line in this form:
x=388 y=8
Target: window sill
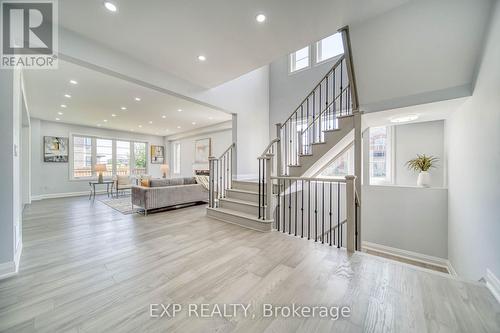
x=407 y=186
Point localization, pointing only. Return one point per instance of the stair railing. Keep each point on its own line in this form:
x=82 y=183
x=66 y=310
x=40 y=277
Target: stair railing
x=319 y=209
x=268 y=167
x=221 y=175
x=318 y=112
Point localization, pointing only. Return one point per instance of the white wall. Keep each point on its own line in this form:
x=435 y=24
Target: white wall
x=287 y=90
x=420 y=52
x=10 y=193
x=246 y=96
x=419 y=138
x=473 y=144
x=54 y=178
x=220 y=142
x=408 y=218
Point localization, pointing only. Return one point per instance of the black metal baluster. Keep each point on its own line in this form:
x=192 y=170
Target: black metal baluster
x=259 y=186
x=309 y=210
x=323 y=214
x=315 y=211
x=284 y=203
x=302 y=211
x=264 y=189
x=278 y=206
x=289 y=206
x=341 y=87
x=314 y=117
x=330 y=214
x=338 y=215
x=307 y=126
x=296 y=207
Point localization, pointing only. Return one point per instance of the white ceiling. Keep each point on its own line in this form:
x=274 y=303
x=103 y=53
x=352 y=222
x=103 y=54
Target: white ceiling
x=97 y=96
x=170 y=34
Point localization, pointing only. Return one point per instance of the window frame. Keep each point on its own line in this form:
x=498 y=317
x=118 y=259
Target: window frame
x=389 y=162
x=292 y=60
x=94 y=139
x=176 y=160
x=318 y=49
x=343 y=151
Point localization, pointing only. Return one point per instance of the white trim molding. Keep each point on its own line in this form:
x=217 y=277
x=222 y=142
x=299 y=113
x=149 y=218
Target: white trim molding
x=493 y=284
x=410 y=255
x=63 y=195
x=11 y=268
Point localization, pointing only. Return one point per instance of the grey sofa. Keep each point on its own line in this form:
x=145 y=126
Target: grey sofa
x=168 y=192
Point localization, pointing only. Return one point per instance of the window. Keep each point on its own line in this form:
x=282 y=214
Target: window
x=82 y=157
x=120 y=157
x=177 y=157
x=140 y=158
x=341 y=166
x=380 y=155
x=104 y=155
x=299 y=59
x=329 y=47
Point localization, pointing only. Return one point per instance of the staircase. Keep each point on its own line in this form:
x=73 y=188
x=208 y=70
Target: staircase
x=325 y=117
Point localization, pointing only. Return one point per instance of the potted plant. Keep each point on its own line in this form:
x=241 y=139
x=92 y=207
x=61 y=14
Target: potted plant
x=422 y=164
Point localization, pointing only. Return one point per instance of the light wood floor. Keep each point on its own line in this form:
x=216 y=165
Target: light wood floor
x=88 y=268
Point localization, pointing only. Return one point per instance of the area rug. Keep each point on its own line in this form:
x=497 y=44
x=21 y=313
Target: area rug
x=122 y=204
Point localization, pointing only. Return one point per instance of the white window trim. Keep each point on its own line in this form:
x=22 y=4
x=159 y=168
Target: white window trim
x=291 y=60
x=174 y=158
x=93 y=153
x=390 y=163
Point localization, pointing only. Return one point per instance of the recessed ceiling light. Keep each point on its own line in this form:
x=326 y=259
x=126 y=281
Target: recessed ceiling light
x=166 y=130
x=140 y=126
x=113 y=115
x=260 y=18
x=403 y=119
x=60 y=113
x=178 y=127
x=73 y=82
x=105 y=120
x=202 y=58
x=150 y=121
x=138 y=99
x=164 y=116
x=193 y=123
x=67 y=95
x=110 y=6
x=179 y=110
x=63 y=105
x=123 y=108
x=58 y=119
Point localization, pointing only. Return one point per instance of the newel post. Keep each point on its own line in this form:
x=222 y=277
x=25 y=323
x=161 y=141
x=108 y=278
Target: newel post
x=351 y=212
x=279 y=170
x=211 y=182
x=269 y=185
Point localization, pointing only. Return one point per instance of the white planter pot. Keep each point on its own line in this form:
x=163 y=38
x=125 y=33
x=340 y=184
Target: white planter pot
x=424 y=179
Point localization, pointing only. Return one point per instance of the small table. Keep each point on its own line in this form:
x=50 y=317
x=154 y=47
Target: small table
x=92 y=185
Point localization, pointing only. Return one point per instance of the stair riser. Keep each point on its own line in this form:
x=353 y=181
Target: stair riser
x=243 y=196
x=247 y=186
x=241 y=221
x=248 y=209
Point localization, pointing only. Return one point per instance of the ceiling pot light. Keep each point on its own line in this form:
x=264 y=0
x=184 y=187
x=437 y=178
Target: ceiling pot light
x=150 y=121
x=63 y=105
x=113 y=115
x=58 y=119
x=73 y=82
x=138 y=99
x=179 y=110
x=193 y=123
x=260 y=18
x=178 y=127
x=202 y=58
x=140 y=126
x=60 y=113
x=67 y=95
x=164 y=116
x=123 y=108
x=105 y=120
x=110 y=6
x=403 y=119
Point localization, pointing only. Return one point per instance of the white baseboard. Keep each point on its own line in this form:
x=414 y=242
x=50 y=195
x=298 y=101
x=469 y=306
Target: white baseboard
x=63 y=195
x=11 y=268
x=493 y=284
x=410 y=255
